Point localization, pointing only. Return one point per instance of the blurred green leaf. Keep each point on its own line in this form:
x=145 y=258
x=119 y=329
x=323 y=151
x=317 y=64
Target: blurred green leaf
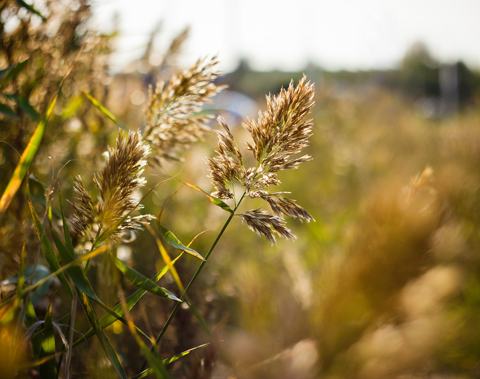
x=167 y=361
x=25 y=106
x=175 y=242
x=12 y=71
x=104 y=110
x=40 y=273
x=7 y=111
x=31 y=317
x=104 y=341
x=26 y=159
x=142 y=281
x=80 y=280
x=130 y=302
x=71 y=108
x=48 y=249
x=30 y=8
x=48 y=369
x=66 y=233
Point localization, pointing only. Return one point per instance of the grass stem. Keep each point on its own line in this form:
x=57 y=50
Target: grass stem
x=192 y=281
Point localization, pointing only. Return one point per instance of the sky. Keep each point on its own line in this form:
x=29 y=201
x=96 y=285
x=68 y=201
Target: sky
x=287 y=35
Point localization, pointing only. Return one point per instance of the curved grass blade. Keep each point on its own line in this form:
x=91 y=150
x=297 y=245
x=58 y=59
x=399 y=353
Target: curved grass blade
x=166 y=258
x=48 y=369
x=167 y=361
x=142 y=281
x=12 y=71
x=213 y=199
x=175 y=242
x=130 y=302
x=31 y=317
x=104 y=110
x=66 y=233
x=26 y=159
x=80 y=280
x=157 y=366
x=30 y=8
x=25 y=106
x=48 y=249
x=7 y=111
x=104 y=341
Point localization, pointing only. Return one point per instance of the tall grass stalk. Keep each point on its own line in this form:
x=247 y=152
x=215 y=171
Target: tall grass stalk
x=192 y=281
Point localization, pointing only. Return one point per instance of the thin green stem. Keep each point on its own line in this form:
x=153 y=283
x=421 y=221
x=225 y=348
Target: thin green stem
x=199 y=269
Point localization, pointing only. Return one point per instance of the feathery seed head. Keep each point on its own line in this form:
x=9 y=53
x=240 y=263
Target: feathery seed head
x=172 y=114
x=279 y=133
x=119 y=178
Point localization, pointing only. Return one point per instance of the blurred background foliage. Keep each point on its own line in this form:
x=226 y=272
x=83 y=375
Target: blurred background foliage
x=385 y=283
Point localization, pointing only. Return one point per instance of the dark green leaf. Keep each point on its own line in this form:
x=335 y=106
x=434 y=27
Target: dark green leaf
x=7 y=111
x=48 y=249
x=142 y=281
x=30 y=8
x=40 y=273
x=175 y=242
x=167 y=361
x=130 y=302
x=25 y=106
x=66 y=232
x=104 y=341
x=12 y=71
x=31 y=317
x=48 y=370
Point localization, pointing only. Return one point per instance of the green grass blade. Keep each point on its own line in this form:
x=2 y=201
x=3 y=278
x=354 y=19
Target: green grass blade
x=12 y=71
x=30 y=8
x=142 y=281
x=7 y=111
x=104 y=110
x=130 y=302
x=25 y=106
x=167 y=361
x=80 y=280
x=104 y=341
x=47 y=249
x=213 y=199
x=48 y=370
x=175 y=242
x=31 y=317
x=66 y=232
x=26 y=159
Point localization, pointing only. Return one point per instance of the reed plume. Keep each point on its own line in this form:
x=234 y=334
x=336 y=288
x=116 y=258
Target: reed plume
x=172 y=115
x=278 y=135
x=120 y=177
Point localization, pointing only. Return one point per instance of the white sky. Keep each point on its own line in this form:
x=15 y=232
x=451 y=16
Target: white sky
x=286 y=35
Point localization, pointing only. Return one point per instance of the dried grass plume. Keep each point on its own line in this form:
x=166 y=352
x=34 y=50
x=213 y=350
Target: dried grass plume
x=278 y=135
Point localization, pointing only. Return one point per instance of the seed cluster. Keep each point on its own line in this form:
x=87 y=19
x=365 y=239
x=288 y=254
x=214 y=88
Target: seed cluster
x=117 y=182
x=173 y=117
x=279 y=133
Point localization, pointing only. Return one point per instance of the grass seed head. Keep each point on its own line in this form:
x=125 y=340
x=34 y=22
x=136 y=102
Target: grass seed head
x=118 y=180
x=172 y=114
x=279 y=133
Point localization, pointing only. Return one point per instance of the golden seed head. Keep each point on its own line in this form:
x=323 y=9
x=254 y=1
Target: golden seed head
x=279 y=133
x=172 y=113
x=118 y=180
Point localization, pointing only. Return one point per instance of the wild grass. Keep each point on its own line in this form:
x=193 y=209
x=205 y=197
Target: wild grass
x=124 y=253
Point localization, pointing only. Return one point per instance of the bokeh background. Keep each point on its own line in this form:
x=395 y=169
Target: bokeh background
x=384 y=284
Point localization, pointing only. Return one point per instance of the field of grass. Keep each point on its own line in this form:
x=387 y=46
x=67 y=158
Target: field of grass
x=125 y=248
